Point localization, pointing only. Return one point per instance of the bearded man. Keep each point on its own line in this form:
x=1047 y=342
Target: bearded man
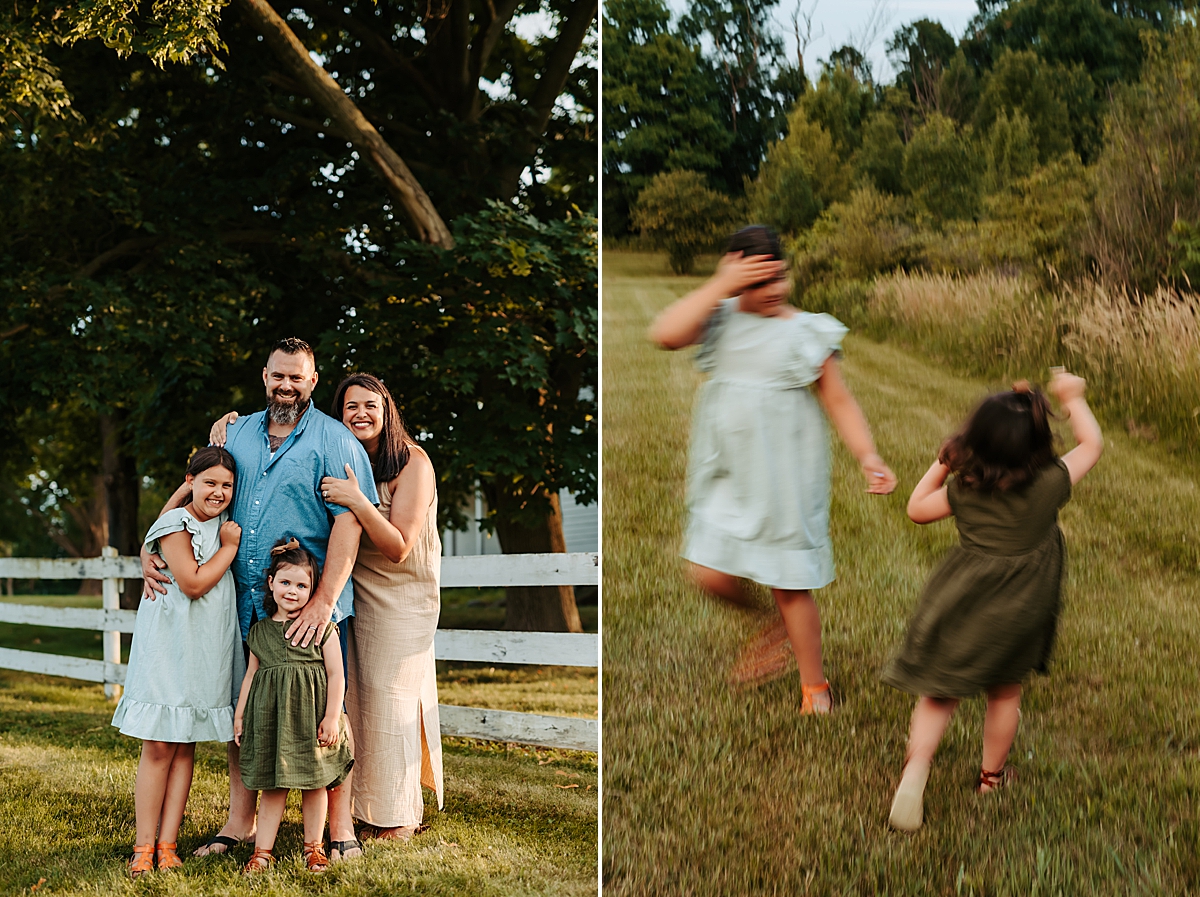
x=282 y=454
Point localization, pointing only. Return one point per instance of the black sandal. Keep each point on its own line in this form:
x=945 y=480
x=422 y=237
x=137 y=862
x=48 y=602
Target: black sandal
x=225 y=841
x=342 y=846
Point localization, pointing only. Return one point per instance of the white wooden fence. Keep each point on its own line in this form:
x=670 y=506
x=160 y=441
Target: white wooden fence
x=480 y=646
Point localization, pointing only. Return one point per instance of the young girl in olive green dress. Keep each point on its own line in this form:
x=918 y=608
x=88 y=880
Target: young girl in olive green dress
x=288 y=720
x=988 y=615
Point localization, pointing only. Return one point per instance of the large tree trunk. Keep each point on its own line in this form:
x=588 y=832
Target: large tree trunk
x=535 y=608
x=121 y=490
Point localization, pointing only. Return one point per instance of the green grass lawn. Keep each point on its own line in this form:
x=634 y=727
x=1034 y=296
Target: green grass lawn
x=709 y=790
x=517 y=820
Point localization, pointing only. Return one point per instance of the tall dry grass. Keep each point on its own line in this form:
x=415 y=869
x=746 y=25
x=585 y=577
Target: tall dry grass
x=1139 y=352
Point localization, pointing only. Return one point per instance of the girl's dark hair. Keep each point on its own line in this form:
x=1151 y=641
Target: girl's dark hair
x=1004 y=443
x=204 y=458
x=211 y=456
x=757 y=239
x=292 y=554
x=394 y=440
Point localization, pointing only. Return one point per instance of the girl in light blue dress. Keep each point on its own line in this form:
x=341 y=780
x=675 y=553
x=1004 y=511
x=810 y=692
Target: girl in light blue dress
x=759 y=467
x=180 y=676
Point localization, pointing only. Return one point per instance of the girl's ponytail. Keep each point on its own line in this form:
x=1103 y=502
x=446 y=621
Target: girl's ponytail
x=1005 y=441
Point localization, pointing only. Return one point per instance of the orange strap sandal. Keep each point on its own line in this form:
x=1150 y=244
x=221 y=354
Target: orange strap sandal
x=167 y=857
x=260 y=861
x=815 y=699
x=142 y=860
x=314 y=857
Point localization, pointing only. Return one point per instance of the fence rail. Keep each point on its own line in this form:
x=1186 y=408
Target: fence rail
x=479 y=646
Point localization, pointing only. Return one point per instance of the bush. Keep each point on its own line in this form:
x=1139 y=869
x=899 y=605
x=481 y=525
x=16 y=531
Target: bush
x=678 y=212
x=1148 y=175
x=801 y=176
x=869 y=233
x=1022 y=81
x=942 y=170
x=880 y=159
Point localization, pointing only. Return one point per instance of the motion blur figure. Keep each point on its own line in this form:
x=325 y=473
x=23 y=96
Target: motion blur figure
x=988 y=615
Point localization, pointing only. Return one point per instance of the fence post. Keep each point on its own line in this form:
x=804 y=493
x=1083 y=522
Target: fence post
x=111 y=591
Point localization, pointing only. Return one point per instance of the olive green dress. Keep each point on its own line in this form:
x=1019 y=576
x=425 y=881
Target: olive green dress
x=989 y=613
x=285 y=707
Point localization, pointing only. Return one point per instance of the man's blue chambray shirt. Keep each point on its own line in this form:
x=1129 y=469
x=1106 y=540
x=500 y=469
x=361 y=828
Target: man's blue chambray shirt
x=280 y=496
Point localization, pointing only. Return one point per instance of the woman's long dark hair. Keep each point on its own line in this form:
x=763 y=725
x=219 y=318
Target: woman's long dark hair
x=394 y=440
x=1004 y=443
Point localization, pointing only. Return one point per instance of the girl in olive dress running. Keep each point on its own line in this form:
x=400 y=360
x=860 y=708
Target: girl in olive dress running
x=988 y=615
x=759 y=466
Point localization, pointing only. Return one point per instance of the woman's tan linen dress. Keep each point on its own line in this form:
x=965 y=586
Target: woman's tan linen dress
x=391 y=696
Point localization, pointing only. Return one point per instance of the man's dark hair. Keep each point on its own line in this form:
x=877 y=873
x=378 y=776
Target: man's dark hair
x=293 y=345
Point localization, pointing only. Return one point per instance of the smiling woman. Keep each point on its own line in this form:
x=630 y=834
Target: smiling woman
x=392 y=698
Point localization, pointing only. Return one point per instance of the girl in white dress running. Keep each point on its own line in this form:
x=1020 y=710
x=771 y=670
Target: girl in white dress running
x=759 y=466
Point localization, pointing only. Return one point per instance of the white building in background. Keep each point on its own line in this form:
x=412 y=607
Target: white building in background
x=581 y=529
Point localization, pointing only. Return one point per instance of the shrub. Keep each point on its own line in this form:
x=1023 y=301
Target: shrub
x=1011 y=150
x=677 y=212
x=869 y=233
x=1023 y=81
x=1148 y=175
x=880 y=159
x=801 y=176
x=942 y=170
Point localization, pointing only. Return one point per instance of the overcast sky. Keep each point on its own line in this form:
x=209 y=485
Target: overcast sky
x=839 y=20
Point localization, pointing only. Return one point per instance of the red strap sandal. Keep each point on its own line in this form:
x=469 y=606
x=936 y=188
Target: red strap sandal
x=994 y=781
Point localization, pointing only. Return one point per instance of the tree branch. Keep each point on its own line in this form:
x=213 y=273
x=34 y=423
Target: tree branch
x=330 y=97
x=485 y=41
x=378 y=45
x=554 y=78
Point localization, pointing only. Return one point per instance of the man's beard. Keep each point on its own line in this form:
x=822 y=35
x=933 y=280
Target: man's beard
x=286 y=413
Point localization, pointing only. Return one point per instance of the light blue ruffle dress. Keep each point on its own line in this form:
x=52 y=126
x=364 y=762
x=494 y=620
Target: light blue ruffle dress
x=758 y=469
x=180 y=675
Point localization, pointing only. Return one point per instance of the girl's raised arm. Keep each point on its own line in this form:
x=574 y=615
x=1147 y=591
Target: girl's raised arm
x=682 y=323
x=851 y=425
x=196 y=580
x=930 y=501
x=243 y=696
x=327 y=730
x=1069 y=389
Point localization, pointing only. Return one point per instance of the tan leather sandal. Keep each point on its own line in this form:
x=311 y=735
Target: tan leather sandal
x=809 y=706
x=167 y=857
x=260 y=861
x=314 y=856
x=142 y=860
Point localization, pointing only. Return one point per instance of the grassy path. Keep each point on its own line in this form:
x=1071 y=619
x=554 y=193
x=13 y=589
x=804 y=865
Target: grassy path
x=712 y=791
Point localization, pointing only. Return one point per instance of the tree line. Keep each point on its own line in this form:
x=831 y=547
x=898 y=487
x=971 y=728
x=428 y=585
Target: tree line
x=1062 y=135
